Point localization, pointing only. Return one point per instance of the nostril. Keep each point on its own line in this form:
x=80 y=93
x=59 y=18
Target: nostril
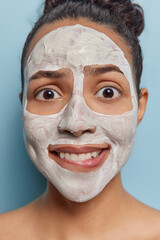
x=81 y=132
x=77 y=133
x=61 y=130
x=92 y=130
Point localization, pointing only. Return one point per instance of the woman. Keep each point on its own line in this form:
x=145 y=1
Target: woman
x=81 y=69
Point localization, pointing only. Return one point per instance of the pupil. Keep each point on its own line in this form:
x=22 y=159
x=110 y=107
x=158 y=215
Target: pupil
x=108 y=93
x=48 y=94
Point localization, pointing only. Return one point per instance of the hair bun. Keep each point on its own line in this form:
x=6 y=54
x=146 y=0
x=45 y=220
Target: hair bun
x=50 y=4
x=137 y=19
x=131 y=13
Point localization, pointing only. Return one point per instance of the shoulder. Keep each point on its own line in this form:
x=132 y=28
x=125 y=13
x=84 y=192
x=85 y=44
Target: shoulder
x=10 y=223
x=18 y=224
x=151 y=223
x=146 y=221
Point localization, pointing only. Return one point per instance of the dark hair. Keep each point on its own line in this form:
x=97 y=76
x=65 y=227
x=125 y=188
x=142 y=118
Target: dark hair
x=122 y=16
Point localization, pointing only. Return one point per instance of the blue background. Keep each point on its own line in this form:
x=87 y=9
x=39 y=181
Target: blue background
x=20 y=181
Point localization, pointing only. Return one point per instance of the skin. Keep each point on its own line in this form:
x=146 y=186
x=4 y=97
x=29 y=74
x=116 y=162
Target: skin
x=113 y=214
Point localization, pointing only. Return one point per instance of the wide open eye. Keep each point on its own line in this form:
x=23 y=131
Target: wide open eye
x=47 y=94
x=108 y=92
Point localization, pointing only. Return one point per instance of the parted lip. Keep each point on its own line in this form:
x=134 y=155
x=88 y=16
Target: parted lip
x=78 y=149
x=80 y=166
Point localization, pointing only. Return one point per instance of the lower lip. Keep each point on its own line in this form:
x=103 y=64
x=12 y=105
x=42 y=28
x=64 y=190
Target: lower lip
x=81 y=166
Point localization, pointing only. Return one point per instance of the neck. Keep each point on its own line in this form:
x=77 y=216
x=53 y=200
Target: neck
x=106 y=207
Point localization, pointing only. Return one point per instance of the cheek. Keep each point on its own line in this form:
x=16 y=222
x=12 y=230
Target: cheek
x=43 y=108
x=115 y=107
x=39 y=130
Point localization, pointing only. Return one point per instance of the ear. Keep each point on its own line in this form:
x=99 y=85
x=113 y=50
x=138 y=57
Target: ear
x=143 y=98
x=20 y=97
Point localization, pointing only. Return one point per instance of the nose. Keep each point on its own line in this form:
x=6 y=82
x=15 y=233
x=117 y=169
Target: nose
x=77 y=118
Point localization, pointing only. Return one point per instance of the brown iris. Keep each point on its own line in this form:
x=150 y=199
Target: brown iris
x=48 y=94
x=108 y=93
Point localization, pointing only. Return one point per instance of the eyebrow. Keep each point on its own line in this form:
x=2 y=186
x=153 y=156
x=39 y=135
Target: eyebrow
x=48 y=74
x=101 y=70
x=89 y=70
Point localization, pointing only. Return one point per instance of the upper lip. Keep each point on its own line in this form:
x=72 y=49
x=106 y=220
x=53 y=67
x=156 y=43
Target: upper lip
x=78 y=149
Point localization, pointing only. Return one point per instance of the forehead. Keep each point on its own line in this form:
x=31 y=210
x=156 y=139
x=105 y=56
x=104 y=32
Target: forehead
x=79 y=45
x=75 y=46
x=108 y=31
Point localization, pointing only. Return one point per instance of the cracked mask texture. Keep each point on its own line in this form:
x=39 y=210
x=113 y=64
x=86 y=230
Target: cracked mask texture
x=75 y=47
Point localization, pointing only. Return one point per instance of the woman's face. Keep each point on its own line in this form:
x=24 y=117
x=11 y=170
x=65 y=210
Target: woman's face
x=80 y=106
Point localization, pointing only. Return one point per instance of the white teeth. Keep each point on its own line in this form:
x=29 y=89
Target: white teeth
x=82 y=157
x=94 y=154
x=67 y=156
x=61 y=155
x=78 y=157
x=88 y=156
x=74 y=157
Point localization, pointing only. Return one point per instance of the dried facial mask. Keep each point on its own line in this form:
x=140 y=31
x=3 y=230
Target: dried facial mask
x=75 y=47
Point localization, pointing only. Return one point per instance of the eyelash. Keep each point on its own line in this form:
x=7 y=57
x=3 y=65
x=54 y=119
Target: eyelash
x=112 y=97
x=42 y=91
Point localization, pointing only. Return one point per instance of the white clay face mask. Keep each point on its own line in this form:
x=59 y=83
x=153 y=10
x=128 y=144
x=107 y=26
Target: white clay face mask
x=75 y=47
